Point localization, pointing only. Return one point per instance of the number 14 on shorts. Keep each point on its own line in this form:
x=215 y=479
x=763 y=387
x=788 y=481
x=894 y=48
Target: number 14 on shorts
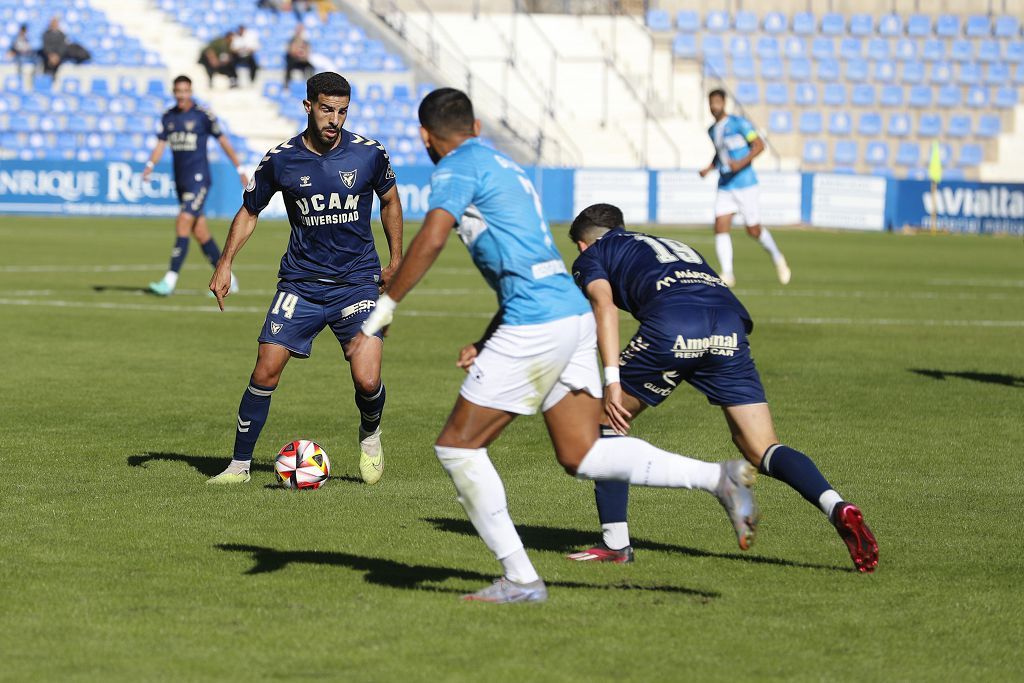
x=286 y=302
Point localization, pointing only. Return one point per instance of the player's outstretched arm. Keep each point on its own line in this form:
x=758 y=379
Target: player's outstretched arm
x=241 y=229
x=391 y=218
x=154 y=158
x=607 y=315
x=230 y=151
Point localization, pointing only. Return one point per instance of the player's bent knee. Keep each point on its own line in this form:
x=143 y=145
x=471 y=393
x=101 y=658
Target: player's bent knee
x=754 y=231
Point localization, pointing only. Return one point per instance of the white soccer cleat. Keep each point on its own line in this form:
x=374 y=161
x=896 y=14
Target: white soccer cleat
x=371 y=456
x=729 y=279
x=228 y=478
x=503 y=592
x=783 y=271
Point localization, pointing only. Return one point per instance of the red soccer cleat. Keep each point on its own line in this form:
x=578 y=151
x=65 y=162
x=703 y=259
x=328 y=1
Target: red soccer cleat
x=849 y=522
x=602 y=553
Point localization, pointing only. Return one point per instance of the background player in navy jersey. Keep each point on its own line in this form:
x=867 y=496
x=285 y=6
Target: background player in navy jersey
x=539 y=354
x=187 y=126
x=330 y=275
x=694 y=330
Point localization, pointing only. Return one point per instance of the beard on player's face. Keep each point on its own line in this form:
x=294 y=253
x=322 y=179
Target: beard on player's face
x=434 y=156
x=322 y=129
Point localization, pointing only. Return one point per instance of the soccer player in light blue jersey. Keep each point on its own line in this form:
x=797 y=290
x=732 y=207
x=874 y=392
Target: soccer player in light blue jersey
x=539 y=353
x=736 y=145
x=186 y=127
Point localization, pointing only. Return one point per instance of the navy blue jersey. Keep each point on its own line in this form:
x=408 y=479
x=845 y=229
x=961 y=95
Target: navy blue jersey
x=328 y=200
x=187 y=132
x=650 y=275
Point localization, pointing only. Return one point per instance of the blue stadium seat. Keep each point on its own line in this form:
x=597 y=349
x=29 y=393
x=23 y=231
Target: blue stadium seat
x=863 y=95
x=828 y=71
x=810 y=123
x=795 y=48
x=989 y=51
x=845 y=153
x=949 y=96
x=814 y=152
x=1006 y=98
x=776 y=94
x=739 y=46
x=833 y=24
x=70 y=85
x=715 y=67
x=947 y=26
x=919 y=25
x=806 y=95
x=659 y=20
x=768 y=47
x=878 y=49
x=978 y=26
x=970 y=74
x=876 y=153
x=804 y=24
x=743 y=68
x=684 y=46
x=997 y=74
x=401 y=92
x=869 y=124
x=99 y=86
x=908 y=154
x=920 y=96
x=905 y=50
x=771 y=69
x=890 y=25
x=687 y=21
x=971 y=155
x=745 y=22
x=898 y=126
x=891 y=96
x=989 y=126
x=42 y=83
x=933 y=50
x=834 y=95
x=747 y=93
x=885 y=72
x=959 y=126
x=799 y=70
x=929 y=126
x=862 y=25
x=913 y=73
x=839 y=123
x=1018 y=74
x=962 y=51
x=856 y=71
x=977 y=97
x=775 y=23
x=851 y=48
x=780 y=122
x=1007 y=26
x=823 y=48
x=717 y=22
x=942 y=73
x=713 y=46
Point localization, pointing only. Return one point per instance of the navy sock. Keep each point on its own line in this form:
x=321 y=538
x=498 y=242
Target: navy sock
x=371 y=408
x=212 y=251
x=612 y=496
x=178 y=253
x=252 y=415
x=796 y=469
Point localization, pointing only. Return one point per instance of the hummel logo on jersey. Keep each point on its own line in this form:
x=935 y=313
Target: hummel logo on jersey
x=243 y=425
x=348 y=177
x=304 y=181
x=275 y=327
x=670 y=377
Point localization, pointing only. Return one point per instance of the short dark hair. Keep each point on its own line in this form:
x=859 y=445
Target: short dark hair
x=182 y=79
x=717 y=92
x=447 y=111
x=327 y=83
x=597 y=217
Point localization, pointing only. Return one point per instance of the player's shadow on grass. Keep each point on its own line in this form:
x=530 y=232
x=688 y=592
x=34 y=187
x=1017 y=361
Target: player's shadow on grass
x=563 y=540
x=393 y=574
x=209 y=465
x=122 y=288
x=986 y=377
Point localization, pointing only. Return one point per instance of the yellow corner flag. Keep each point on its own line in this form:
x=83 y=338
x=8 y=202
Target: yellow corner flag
x=935 y=164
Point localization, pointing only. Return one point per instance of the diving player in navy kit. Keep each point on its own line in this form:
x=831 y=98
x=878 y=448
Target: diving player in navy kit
x=187 y=126
x=330 y=274
x=692 y=329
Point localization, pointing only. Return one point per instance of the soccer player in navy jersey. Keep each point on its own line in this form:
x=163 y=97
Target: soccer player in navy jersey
x=538 y=354
x=330 y=275
x=186 y=127
x=693 y=330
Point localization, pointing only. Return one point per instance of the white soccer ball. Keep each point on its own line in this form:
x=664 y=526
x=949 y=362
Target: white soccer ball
x=302 y=464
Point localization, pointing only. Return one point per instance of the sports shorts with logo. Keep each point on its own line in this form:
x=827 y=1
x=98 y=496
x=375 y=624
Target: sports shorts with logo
x=192 y=194
x=746 y=201
x=299 y=311
x=526 y=368
x=704 y=346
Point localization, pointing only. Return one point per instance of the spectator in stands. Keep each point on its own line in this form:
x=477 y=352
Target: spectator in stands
x=244 y=45
x=218 y=59
x=273 y=5
x=55 y=44
x=297 y=55
x=300 y=7
x=21 y=50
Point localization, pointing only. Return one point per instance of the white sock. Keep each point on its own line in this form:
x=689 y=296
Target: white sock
x=766 y=241
x=171 y=278
x=828 y=501
x=237 y=466
x=641 y=464
x=723 y=247
x=615 y=535
x=482 y=495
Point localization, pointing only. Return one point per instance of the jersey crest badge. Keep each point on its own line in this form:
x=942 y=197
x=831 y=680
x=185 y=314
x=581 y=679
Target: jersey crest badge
x=348 y=178
x=390 y=175
x=189 y=125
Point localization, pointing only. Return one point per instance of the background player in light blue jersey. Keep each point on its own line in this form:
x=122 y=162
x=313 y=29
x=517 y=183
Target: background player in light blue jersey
x=736 y=145
x=330 y=275
x=186 y=127
x=539 y=353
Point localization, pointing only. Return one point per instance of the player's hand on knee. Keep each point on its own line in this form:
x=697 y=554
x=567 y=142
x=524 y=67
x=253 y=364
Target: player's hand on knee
x=617 y=415
x=467 y=356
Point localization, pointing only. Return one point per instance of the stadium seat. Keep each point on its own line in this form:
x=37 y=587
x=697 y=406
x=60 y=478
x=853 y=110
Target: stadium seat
x=776 y=94
x=1006 y=98
x=885 y=72
x=804 y=24
x=780 y=122
x=99 y=86
x=810 y=123
x=845 y=153
x=712 y=46
x=828 y=71
x=876 y=153
x=747 y=93
x=771 y=69
x=941 y=73
x=795 y=48
x=1007 y=26
x=989 y=51
x=833 y=24
x=743 y=68
x=878 y=49
x=70 y=85
x=919 y=26
x=839 y=123
x=997 y=74
x=949 y=96
x=908 y=154
x=745 y=22
x=799 y=70
x=962 y=51
x=659 y=20
x=870 y=125
x=687 y=21
x=899 y=125
x=913 y=73
x=42 y=83
x=971 y=155
x=1018 y=74
x=856 y=71
x=715 y=67
x=834 y=95
x=814 y=152
x=684 y=46
x=891 y=96
x=989 y=126
x=823 y=48
x=959 y=126
x=947 y=26
x=977 y=97
x=739 y=47
x=970 y=74
x=933 y=50
x=851 y=48
x=929 y=126
x=920 y=96
x=862 y=25
x=806 y=95
x=905 y=50
x=863 y=95
x=768 y=47
x=717 y=22
x=890 y=26
x=775 y=23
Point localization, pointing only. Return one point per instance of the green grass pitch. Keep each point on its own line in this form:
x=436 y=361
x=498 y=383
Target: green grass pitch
x=896 y=362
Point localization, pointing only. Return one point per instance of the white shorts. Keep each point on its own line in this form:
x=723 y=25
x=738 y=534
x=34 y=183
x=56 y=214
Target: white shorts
x=523 y=368
x=744 y=201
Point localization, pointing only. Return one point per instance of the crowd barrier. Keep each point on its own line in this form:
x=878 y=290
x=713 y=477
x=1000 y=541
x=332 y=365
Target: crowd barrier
x=824 y=200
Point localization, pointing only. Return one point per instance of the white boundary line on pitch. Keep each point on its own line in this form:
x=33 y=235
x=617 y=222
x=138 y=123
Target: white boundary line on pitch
x=161 y=267
x=105 y=305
